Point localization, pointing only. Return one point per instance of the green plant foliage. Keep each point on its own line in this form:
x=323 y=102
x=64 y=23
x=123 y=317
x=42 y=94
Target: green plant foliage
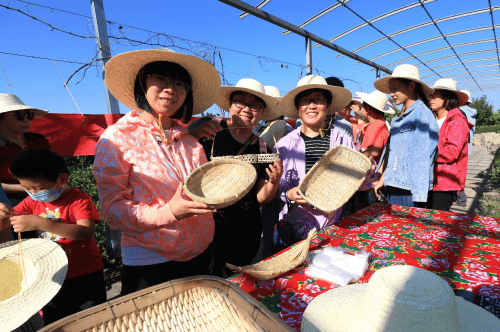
x=487 y=129
x=485 y=114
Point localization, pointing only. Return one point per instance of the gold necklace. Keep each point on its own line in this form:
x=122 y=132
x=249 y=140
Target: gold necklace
x=437 y=115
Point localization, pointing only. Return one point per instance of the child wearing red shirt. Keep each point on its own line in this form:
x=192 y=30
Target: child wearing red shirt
x=65 y=215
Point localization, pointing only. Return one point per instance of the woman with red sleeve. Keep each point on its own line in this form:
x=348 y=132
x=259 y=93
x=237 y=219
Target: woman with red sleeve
x=450 y=168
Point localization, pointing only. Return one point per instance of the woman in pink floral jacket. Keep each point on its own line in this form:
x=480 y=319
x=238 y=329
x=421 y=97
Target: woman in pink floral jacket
x=143 y=159
x=450 y=168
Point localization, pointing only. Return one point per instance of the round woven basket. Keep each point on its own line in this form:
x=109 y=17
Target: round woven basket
x=270 y=269
x=221 y=182
x=332 y=181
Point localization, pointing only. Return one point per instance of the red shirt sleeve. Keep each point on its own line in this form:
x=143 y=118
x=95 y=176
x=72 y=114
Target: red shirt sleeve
x=376 y=135
x=83 y=208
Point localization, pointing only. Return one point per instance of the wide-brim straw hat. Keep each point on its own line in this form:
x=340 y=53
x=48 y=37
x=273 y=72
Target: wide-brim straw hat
x=340 y=96
x=377 y=100
x=10 y=103
x=43 y=270
x=220 y=183
x=448 y=84
x=253 y=87
x=405 y=71
x=467 y=92
x=400 y=298
x=121 y=72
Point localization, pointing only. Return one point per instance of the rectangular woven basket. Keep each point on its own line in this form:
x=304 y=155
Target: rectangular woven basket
x=332 y=181
x=202 y=303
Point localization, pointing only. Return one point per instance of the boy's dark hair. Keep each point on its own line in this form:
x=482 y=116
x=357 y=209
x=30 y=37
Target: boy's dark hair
x=38 y=163
x=332 y=80
x=173 y=71
x=326 y=94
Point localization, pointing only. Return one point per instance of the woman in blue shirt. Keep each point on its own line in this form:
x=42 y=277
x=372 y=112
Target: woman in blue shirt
x=407 y=169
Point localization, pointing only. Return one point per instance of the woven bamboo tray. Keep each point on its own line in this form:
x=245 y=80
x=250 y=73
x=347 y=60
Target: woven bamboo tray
x=261 y=158
x=220 y=183
x=270 y=269
x=191 y=304
x=332 y=181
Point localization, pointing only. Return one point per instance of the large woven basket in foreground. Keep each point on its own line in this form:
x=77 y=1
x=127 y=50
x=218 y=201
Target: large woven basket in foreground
x=190 y=304
x=332 y=181
x=284 y=262
x=220 y=183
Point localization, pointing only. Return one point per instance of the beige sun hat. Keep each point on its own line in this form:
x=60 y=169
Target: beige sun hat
x=340 y=96
x=449 y=84
x=406 y=71
x=377 y=100
x=276 y=93
x=400 y=298
x=121 y=72
x=251 y=86
x=10 y=102
x=467 y=92
x=45 y=266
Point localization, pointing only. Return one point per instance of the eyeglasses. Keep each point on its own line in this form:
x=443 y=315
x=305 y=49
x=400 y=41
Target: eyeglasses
x=164 y=82
x=315 y=101
x=30 y=115
x=253 y=107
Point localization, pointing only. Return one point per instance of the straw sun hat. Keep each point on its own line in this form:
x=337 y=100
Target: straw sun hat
x=251 y=86
x=405 y=71
x=122 y=70
x=467 y=92
x=340 y=96
x=10 y=102
x=377 y=100
x=45 y=266
x=398 y=298
x=448 y=84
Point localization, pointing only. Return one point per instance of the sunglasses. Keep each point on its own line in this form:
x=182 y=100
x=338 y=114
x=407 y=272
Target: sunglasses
x=30 y=115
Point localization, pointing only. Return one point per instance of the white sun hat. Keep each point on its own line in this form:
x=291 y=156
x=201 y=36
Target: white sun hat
x=253 y=87
x=467 y=92
x=340 y=96
x=400 y=298
x=377 y=100
x=276 y=93
x=449 y=84
x=10 y=103
x=121 y=72
x=404 y=71
x=45 y=266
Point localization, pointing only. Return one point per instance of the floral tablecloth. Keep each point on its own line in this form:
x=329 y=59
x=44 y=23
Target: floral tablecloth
x=462 y=249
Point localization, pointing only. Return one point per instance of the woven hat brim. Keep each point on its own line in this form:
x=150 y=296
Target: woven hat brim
x=271 y=102
x=462 y=96
x=366 y=98
x=340 y=98
x=382 y=84
x=121 y=72
x=341 y=303
x=11 y=108
x=46 y=264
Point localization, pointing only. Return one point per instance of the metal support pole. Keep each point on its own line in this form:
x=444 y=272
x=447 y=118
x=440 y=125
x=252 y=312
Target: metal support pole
x=308 y=56
x=378 y=73
x=101 y=34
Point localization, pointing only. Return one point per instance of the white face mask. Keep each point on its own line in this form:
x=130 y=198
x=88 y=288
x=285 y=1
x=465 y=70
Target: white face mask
x=47 y=196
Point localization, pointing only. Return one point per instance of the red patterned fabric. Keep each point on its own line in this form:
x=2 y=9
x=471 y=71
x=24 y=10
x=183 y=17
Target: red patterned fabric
x=462 y=249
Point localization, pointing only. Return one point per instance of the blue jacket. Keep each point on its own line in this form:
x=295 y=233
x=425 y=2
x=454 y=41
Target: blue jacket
x=412 y=148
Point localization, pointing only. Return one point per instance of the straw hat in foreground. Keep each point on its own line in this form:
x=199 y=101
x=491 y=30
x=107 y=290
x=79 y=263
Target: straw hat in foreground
x=377 y=100
x=405 y=71
x=45 y=266
x=398 y=298
x=448 y=84
x=10 y=102
x=340 y=96
x=251 y=86
x=121 y=72
x=467 y=92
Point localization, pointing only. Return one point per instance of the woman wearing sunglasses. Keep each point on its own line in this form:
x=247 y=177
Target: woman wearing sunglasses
x=15 y=121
